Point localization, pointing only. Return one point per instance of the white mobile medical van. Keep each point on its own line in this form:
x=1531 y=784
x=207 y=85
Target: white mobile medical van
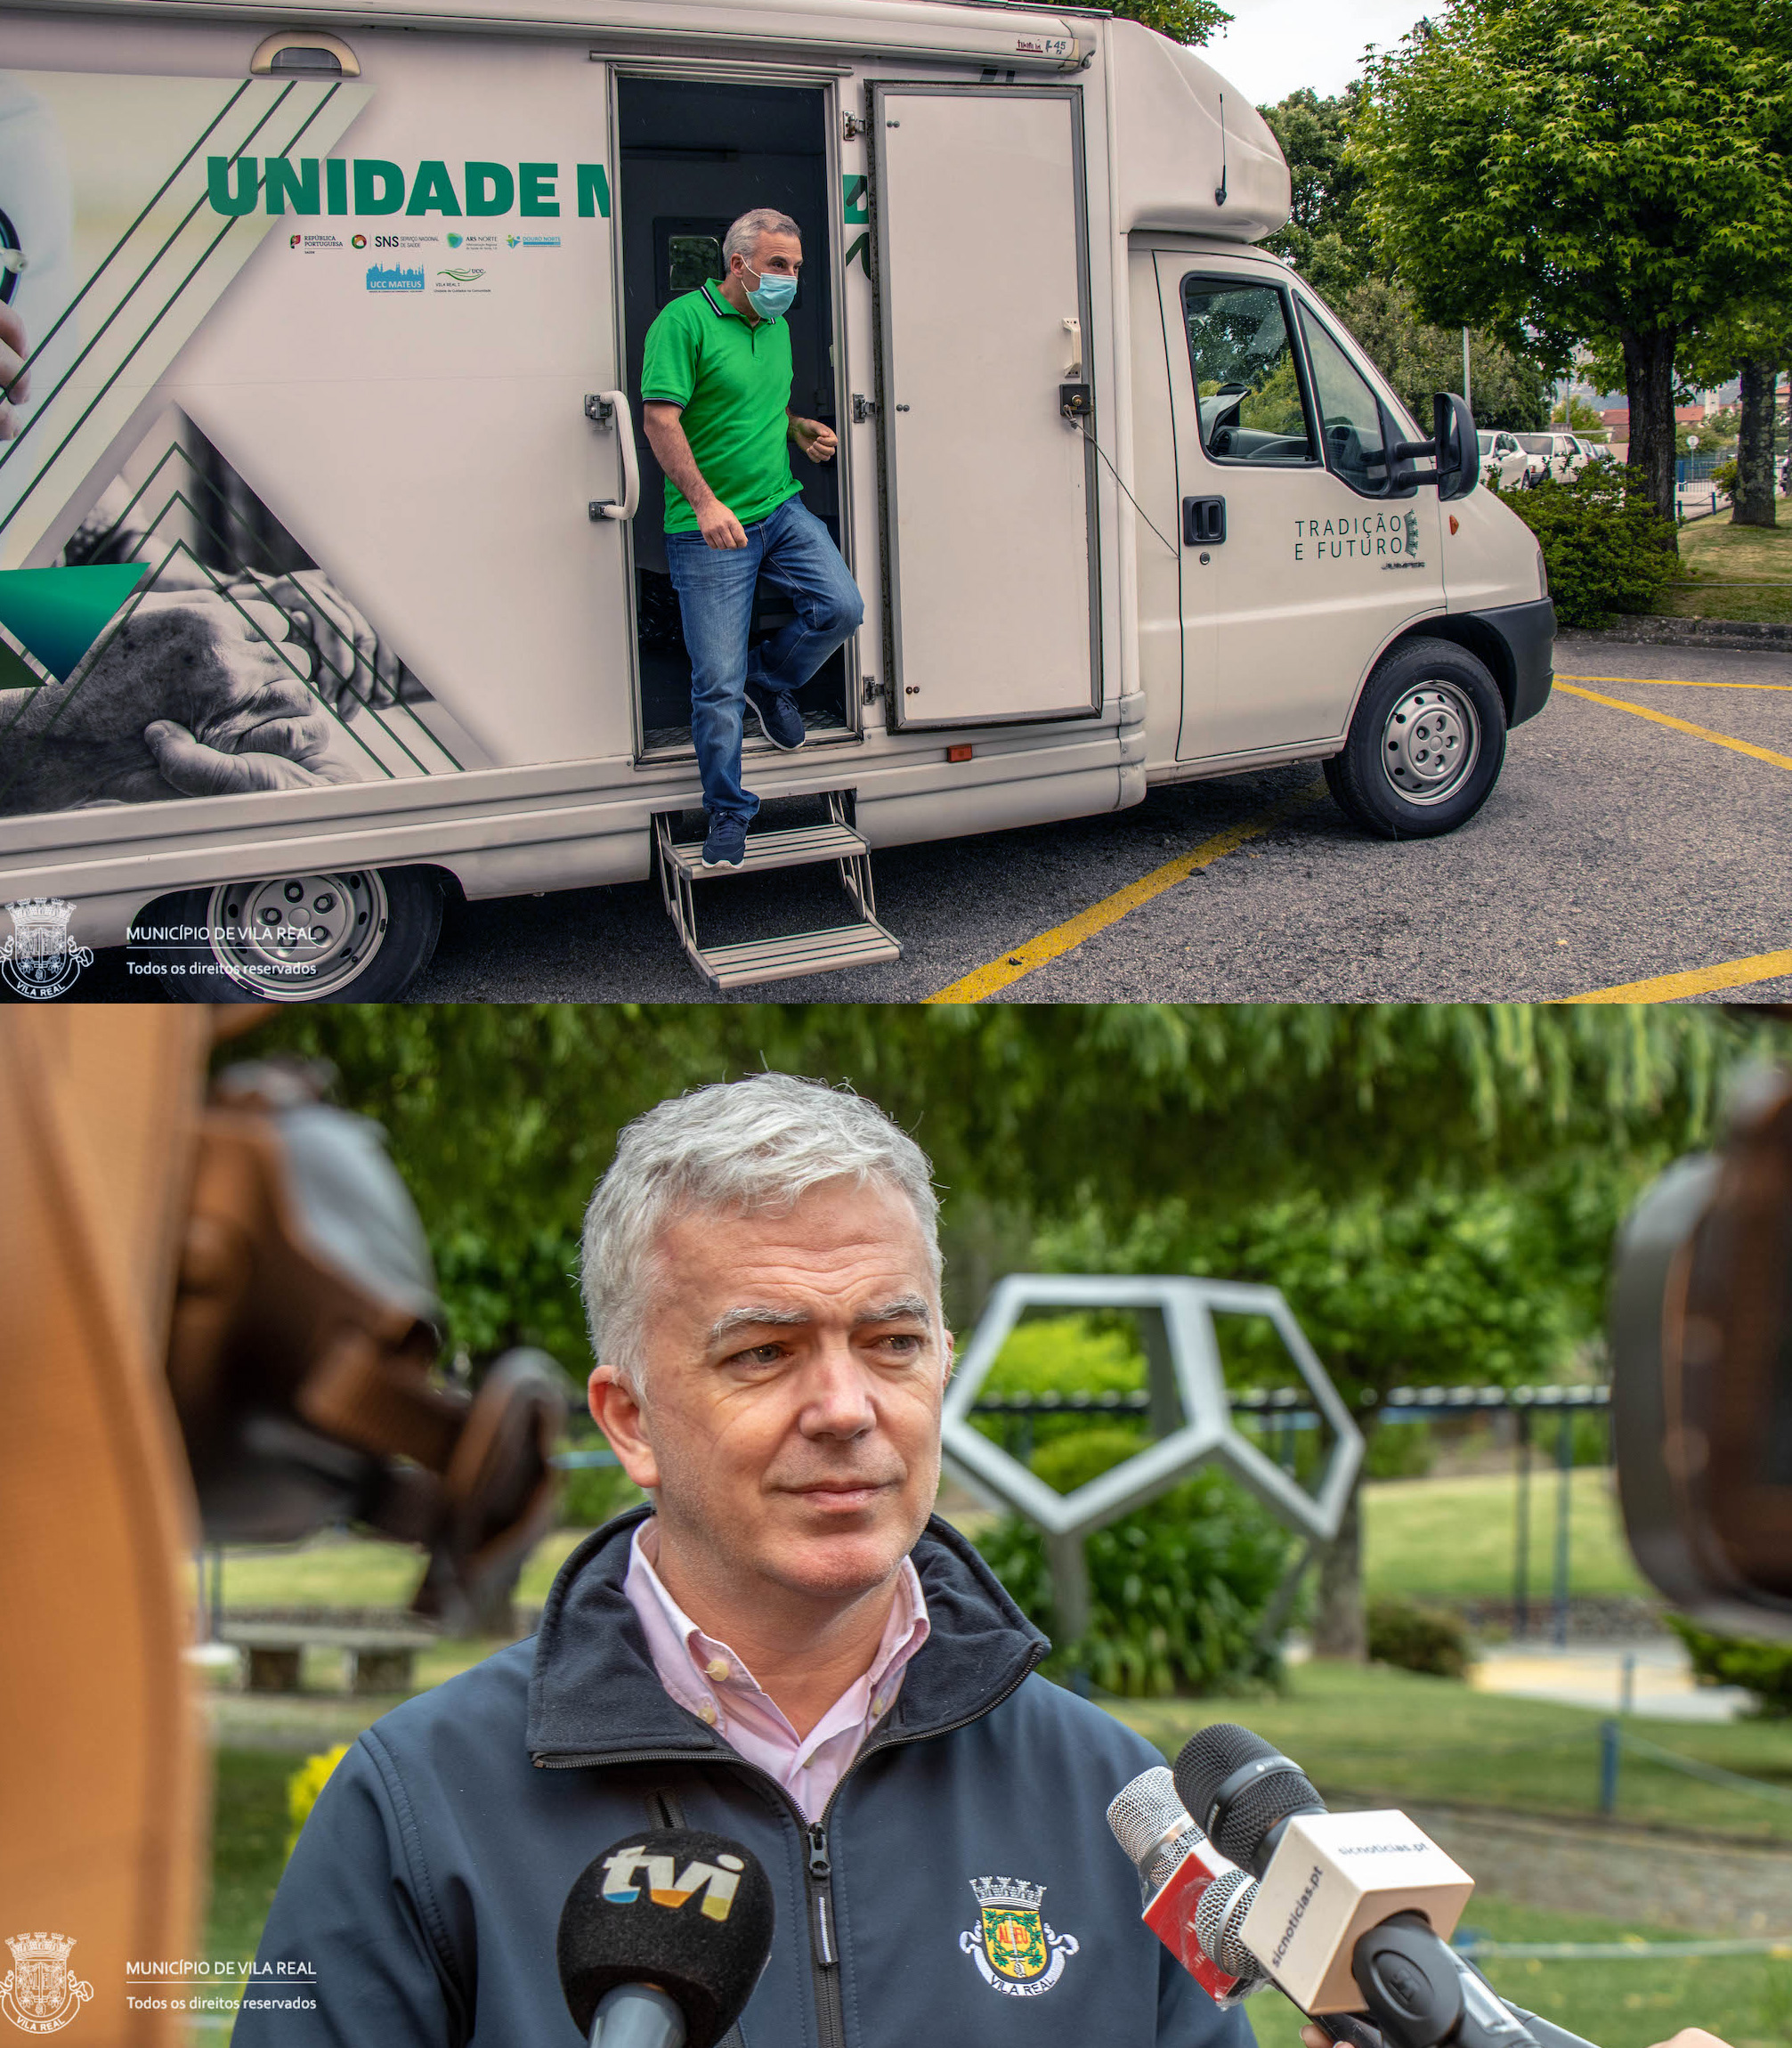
x=332 y=567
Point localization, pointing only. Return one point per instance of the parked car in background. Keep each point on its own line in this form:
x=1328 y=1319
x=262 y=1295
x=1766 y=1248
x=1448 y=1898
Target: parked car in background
x=1503 y=462
x=1568 y=453
x=1540 y=455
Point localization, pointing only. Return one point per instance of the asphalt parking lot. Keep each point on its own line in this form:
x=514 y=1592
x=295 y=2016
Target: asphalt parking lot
x=1620 y=848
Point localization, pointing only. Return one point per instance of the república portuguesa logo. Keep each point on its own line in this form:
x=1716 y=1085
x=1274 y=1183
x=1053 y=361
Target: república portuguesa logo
x=1015 y=1948
x=37 y=961
x=40 y=1994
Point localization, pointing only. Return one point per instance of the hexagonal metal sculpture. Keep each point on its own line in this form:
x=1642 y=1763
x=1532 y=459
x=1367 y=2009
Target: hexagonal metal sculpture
x=1189 y=1409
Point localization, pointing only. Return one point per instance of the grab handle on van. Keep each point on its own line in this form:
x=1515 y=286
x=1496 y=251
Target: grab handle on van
x=610 y=408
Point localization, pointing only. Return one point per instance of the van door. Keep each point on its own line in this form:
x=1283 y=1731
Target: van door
x=1298 y=566
x=983 y=308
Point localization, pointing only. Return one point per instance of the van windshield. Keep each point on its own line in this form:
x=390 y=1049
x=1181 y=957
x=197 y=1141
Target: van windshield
x=1535 y=444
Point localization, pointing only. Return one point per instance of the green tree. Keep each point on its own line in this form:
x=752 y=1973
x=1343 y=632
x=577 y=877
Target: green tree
x=1499 y=1284
x=1752 y=344
x=1615 y=172
x=1327 y=235
x=1418 y=358
x=1577 y=414
x=1191 y=21
x=501 y=1118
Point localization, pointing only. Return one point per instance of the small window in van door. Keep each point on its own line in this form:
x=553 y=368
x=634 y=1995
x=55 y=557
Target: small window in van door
x=1350 y=414
x=695 y=260
x=1247 y=385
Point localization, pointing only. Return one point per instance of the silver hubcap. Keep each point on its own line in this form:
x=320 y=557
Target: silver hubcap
x=299 y=938
x=1430 y=742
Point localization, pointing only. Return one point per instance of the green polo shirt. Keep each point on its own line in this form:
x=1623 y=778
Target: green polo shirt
x=734 y=381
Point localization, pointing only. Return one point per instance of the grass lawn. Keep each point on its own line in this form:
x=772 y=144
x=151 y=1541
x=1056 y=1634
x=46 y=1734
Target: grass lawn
x=1382 y=1734
x=1713 y=553
x=1453 y=1539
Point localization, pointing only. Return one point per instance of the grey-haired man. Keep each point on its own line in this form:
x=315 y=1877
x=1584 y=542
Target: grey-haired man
x=784 y=1648
x=715 y=401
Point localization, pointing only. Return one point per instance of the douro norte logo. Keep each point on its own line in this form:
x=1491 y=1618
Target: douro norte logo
x=40 y=1994
x=1015 y=1948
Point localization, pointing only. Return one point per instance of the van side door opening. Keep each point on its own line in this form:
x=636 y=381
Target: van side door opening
x=694 y=154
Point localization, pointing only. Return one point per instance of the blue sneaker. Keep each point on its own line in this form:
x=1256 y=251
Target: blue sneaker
x=726 y=845
x=779 y=718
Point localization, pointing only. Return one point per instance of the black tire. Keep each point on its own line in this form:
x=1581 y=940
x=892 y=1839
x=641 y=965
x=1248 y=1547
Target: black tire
x=1426 y=745
x=380 y=927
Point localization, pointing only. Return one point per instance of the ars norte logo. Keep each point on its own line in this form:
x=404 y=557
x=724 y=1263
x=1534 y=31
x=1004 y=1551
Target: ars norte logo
x=40 y=1994
x=1016 y=1949
x=717 y=1882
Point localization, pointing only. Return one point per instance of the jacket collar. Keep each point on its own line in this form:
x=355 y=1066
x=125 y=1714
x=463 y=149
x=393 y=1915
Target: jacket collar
x=593 y=1692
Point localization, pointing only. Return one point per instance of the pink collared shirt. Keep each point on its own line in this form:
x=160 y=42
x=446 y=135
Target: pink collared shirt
x=707 y=1677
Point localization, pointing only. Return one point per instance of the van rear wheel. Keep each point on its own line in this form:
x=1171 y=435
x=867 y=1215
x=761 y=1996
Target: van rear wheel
x=1426 y=745
x=354 y=935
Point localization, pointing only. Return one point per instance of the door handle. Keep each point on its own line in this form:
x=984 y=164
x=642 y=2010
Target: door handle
x=1204 y=521
x=611 y=408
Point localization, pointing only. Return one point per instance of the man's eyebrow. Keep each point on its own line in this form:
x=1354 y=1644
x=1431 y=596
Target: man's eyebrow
x=900 y=1308
x=903 y=1308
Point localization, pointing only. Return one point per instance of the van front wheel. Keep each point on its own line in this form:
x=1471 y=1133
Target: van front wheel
x=359 y=936
x=1426 y=745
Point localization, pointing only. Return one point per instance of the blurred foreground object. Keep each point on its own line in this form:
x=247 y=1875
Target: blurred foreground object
x=1701 y=1402
x=222 y=1317
x=304 y=1329
x=101 y=1785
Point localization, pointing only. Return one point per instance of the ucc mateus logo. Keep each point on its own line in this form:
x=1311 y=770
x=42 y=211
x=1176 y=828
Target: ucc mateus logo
x=718 y=1881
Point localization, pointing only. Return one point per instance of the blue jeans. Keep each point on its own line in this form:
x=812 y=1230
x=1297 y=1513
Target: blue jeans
x=715 y=587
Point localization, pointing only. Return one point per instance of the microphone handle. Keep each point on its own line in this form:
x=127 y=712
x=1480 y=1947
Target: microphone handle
x=638 y=2016
x=1548 y=2034
x=1354 y=2033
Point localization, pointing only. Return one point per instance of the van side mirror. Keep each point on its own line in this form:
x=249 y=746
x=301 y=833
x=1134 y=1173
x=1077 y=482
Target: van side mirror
x=1453 y=446
x=1459 y=458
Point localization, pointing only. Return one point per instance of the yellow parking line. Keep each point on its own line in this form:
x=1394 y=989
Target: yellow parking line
x=1696 y=981
x=1668 y=682
x=995 y=975
x=1683 y=726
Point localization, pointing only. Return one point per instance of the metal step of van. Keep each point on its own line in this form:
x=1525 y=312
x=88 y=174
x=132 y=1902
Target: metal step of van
x=862 y=943
x=800 y=847
x=840 y=946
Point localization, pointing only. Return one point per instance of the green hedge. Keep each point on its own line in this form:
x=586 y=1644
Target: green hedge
x=1606 y=547
x=1762 y=1669
x=1414 y=1639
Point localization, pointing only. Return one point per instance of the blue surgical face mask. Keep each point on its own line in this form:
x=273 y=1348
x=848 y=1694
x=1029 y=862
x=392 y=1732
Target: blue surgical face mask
x=773 y=295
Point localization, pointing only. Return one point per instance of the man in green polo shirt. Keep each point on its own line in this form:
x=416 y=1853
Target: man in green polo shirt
x=716 y=397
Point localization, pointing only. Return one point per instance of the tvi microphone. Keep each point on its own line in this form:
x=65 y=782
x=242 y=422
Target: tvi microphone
x=663 y=1938
x=1352 y=1909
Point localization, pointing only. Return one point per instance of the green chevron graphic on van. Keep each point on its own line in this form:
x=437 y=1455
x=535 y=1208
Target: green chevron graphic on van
x=56 y=614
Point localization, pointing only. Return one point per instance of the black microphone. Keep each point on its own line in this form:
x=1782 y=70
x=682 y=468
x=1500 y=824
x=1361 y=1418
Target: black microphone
x=663 y=1938
x=1349 y=1893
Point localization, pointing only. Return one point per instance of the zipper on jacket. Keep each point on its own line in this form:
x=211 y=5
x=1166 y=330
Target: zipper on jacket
x=823 y=1950
x=824 y=1976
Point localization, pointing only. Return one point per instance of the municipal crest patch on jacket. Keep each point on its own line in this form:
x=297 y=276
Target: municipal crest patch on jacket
x=1016 y=1949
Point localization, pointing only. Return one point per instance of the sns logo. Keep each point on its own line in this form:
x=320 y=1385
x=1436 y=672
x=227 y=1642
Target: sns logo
x=718 y=1881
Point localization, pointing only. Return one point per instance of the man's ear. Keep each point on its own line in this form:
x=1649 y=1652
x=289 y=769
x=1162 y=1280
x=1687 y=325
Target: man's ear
x=616 y=1411
x=951 y=1343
